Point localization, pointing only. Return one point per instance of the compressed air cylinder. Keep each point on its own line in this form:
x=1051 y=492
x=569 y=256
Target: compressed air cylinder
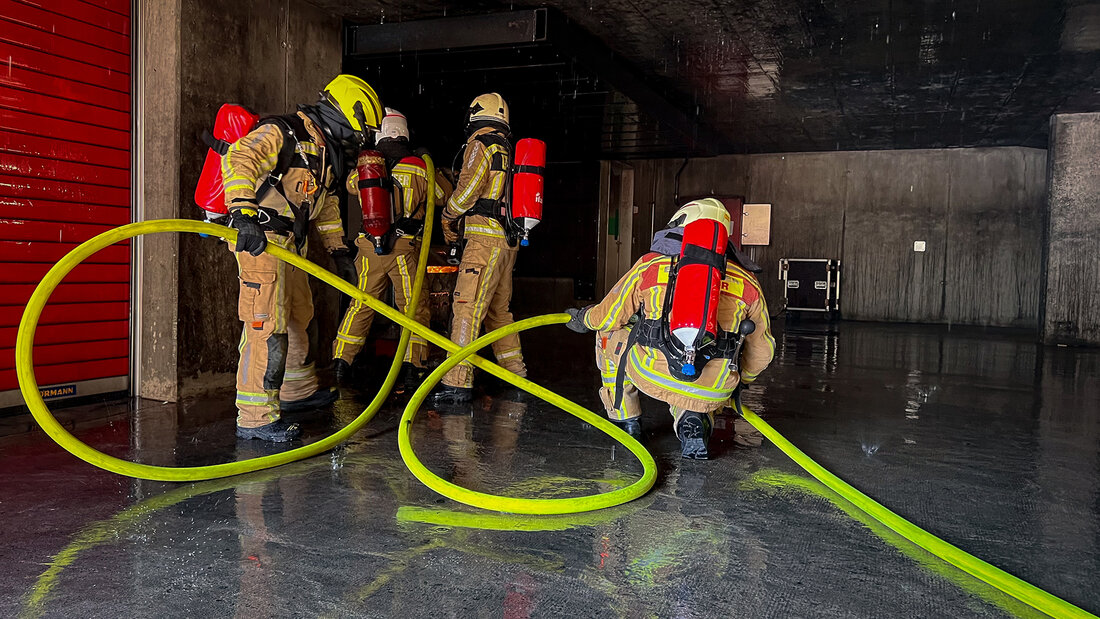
x=527 y=184
x=694 y=309
x=374 y=195
x=232 y=123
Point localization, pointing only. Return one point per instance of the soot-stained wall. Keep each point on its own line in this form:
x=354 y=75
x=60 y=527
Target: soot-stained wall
x=979 y=211
x=1071 y=309
x=268 y=55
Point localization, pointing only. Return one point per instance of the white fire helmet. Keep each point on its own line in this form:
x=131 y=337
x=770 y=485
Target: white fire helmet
x=394 y=126
x=704 y=208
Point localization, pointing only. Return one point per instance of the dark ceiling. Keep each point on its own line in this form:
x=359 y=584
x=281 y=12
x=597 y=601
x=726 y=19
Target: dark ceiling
x=770 y=75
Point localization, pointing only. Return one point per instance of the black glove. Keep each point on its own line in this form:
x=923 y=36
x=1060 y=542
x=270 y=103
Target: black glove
x=576 y=322
x=250 y=235
x=345 y=264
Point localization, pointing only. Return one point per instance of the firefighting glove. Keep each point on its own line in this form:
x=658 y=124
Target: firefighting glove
x=344 y=258
x=450 y=229
x=576 y=319
x=250 y=235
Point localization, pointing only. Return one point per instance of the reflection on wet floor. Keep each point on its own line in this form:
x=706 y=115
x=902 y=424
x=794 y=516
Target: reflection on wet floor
x=982 y=437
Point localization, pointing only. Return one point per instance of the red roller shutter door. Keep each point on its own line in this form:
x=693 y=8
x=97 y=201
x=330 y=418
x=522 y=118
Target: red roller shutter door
x=65 y=177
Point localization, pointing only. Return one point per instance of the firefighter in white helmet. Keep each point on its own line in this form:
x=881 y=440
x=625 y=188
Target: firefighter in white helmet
x=629 y=363
x=398 y=264
x=279 y=178
x=483 y=292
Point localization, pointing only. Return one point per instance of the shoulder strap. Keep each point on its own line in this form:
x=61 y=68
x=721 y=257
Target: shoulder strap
x=292 y=127
x=620 y=374
x=498 y=163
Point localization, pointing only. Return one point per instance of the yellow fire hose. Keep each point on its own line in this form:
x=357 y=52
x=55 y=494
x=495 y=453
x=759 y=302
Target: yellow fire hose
x=1023 y=591
x=29 y=386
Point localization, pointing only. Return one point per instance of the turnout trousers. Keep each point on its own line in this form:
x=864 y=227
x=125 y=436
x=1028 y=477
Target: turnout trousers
x=611 y=353
x=376 y=273
x=276 y=364
x=483 y=294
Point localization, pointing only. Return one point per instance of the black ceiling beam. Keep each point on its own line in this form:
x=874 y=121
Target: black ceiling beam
x=538 y=27
x=473 y=31
x=593 y=54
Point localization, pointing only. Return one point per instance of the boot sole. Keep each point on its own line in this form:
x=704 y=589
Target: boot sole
x=452 y=399
x=693 y=442
x=268 y=439
x=694 y=449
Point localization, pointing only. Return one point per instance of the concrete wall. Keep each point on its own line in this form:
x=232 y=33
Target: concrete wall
x=266 y=54
x=978 y=210
x=1071 y=310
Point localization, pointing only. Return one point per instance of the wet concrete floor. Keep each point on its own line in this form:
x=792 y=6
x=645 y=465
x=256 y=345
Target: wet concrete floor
x=981 y=437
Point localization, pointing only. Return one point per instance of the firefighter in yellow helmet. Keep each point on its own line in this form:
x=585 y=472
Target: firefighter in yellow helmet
x=631 y=359
x=398 y=262
x=483 y=291
x=279 y=178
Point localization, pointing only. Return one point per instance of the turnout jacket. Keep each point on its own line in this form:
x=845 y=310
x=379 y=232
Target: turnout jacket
x=642 y=290
x=248 y=163
x=484 y=176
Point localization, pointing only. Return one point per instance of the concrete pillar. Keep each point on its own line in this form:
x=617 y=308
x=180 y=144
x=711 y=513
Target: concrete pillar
x=157 y=197
x=1072 y=275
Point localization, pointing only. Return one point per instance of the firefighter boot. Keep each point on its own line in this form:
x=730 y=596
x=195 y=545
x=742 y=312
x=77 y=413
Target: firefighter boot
x=321 y=397
x=410 y=379
x=633 y=427
x=274 y=432
x=447 y=394
x=341 y=371
x=694 y=432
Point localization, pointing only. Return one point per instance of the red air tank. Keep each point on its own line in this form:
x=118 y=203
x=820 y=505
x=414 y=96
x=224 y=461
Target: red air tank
x=527 y=184
x=699 y=273
x=232 y=123
x=374 y=197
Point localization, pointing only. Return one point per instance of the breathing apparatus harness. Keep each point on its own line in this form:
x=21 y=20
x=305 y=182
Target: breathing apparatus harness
x=496 y=208
x=384 y=227
x=291 y=156
x=397 y=152
x=657 y=332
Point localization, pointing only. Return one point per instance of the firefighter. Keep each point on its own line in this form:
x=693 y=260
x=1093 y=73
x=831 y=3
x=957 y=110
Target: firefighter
x=398 y=262
x=483 y=291
x=630 y=362
x=278 y=178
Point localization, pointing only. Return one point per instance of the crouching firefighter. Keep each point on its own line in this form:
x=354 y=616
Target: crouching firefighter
x=391 y=185
x=686 y=325
x=278 y=178
x=483 y=291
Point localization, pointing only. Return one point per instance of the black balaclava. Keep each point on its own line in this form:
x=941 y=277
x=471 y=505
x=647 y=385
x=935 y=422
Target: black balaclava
x=394 y=150
x=340 y=138
x=497 y=126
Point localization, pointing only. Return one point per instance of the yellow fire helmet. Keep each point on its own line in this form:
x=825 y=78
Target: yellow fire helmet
x=489 y=106
x=356 y=100
x=704 y=208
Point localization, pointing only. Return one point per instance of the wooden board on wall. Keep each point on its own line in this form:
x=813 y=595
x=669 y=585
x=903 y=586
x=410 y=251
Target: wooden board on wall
x=756 y=224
